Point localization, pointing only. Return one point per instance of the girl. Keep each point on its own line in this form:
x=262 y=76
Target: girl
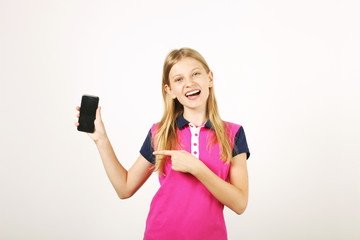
x=200 y=159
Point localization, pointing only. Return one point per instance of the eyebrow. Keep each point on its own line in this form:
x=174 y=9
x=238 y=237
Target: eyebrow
x=180 y=73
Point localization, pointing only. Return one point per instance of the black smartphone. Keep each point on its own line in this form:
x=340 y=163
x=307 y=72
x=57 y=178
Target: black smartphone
x=88 y=107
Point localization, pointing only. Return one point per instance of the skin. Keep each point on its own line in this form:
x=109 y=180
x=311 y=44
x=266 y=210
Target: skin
x=125 y=182
x=187 y=74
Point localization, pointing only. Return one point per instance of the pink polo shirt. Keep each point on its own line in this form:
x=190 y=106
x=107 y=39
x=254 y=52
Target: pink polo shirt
x=183 y=208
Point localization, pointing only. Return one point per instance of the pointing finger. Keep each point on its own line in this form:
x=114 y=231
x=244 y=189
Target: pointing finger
x=163 y=152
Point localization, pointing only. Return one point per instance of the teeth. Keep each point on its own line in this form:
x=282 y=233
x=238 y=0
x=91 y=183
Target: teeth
x=193 y=92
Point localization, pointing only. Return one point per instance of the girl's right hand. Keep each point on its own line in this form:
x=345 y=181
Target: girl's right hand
x=99 y=134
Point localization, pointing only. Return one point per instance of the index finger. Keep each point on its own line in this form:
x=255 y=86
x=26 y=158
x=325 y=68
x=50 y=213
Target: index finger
x=163 y=152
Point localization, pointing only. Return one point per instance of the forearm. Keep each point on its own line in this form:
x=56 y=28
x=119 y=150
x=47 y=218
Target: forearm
x=116 y=173
x=226 y=193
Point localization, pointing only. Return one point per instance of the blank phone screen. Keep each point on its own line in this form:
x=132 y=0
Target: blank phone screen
x=88 y=107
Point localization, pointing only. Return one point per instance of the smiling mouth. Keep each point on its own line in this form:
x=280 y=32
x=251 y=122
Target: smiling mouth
x=193 y=93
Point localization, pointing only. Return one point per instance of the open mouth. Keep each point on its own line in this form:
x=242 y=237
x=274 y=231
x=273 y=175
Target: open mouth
x=193 y=93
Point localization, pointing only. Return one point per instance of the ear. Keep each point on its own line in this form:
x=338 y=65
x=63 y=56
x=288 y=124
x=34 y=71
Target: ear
x=169 y=91
x=211 y=79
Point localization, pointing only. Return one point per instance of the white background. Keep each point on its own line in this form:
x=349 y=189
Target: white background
x=288 y=71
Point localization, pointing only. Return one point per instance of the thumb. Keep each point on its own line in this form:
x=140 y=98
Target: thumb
x=98 y=113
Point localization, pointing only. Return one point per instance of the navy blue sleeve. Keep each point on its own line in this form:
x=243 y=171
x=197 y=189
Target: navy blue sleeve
x=147 y=149
x=240 y=144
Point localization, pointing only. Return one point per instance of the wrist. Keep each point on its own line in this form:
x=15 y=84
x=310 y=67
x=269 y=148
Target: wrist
x=197 y=167
x=101 y=141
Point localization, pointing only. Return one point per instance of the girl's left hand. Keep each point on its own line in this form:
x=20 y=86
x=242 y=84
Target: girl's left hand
x=182 y=161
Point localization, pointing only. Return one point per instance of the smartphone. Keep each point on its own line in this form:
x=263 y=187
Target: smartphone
x=88 y=107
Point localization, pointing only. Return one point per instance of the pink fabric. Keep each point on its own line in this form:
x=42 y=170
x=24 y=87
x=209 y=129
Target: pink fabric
x=183 y=208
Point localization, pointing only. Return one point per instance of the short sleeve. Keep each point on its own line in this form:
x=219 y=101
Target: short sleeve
x=240 y=144
x=147 y=149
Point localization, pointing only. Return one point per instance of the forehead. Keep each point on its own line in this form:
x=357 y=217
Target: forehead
x=184 y=66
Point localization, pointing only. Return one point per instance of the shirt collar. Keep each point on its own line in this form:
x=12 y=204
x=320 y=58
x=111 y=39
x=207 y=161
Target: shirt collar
x=182 y=122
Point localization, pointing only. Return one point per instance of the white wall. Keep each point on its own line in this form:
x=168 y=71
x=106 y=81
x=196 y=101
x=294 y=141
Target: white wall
x=288 y=71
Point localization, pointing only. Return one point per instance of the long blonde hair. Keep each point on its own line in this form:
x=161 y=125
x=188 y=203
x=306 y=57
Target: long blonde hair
x=165 y=136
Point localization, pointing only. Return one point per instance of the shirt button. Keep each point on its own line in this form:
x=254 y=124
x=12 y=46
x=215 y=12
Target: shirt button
x=195 y=144
x=196 y=134
x=195 y=152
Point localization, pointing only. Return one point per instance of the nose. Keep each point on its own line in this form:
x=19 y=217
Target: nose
x=189 y=82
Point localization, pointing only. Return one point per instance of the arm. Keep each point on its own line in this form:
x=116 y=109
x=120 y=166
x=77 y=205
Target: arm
x=125 y=183
x=234 y=194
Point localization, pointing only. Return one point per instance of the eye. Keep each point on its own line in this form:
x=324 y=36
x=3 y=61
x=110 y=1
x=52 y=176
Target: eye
x=196 y=73
x=178 y=79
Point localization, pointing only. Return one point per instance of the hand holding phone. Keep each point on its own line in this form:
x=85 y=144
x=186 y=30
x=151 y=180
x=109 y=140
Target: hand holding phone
x=99 y=134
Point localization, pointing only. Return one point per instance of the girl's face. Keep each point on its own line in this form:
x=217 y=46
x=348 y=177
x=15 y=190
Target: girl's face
x=189 y=83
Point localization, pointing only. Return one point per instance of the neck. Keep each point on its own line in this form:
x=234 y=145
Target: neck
x=195 y=116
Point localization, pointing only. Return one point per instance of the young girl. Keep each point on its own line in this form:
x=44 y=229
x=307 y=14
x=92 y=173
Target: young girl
x=201 y=159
